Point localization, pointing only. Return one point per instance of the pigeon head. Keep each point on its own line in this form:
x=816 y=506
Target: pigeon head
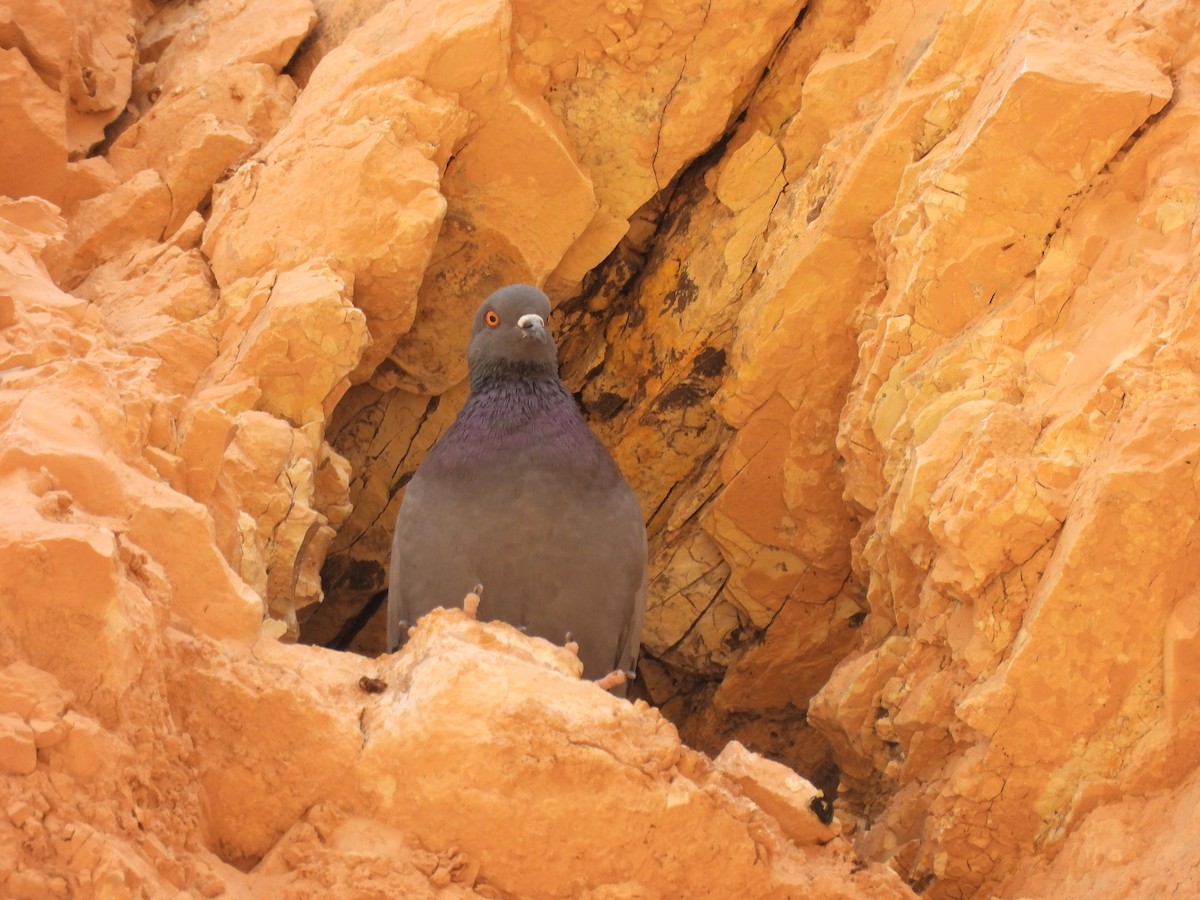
x=509 y=339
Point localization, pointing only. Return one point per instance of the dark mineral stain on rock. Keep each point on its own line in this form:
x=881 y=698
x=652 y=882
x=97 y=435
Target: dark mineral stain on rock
x=709 y=362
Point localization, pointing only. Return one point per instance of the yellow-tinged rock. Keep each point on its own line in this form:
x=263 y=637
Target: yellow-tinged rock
x=18 y=753
x=684 y=585
x=304 y=339
x=249 y=96
x=1011 y=214
x=358 y=190
x=33 y=156
x=903 y=370
x=178 y=534
x=192 y=43
x=519 y=151
x=791 y=800
x=833 y=92
x=115 y=223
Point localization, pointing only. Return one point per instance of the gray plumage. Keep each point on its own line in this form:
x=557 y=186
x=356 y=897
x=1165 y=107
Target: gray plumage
x=519 y=496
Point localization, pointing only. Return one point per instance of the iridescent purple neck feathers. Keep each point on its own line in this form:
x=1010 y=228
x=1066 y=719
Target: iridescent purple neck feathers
x=521 y=421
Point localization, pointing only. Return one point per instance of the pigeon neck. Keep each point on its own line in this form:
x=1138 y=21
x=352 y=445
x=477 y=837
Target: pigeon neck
x=528 y=416
x=502 y=373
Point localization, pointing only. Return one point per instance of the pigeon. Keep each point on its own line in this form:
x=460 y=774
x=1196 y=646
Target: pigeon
x=518 y=496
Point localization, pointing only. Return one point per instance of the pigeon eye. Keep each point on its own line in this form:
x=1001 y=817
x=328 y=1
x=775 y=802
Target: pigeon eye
x=492 y=318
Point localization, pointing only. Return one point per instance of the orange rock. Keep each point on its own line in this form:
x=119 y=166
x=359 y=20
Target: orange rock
x=84 y=60
x=33 y=159
x=18 y=752
x=382 y=238
x=656 y=55
x=164 y=280
x=32 y=694
x=178 y=533
x=191 y=137
x=892 y=325
x=978 y=589
x=68 y=608
x=1123 y=848
x=626 y=760
x=780 y=792
x=297 y=341
x=190 y=44
x=115 y=223
x=269 y=467
x=250 y=96
x=97 y=77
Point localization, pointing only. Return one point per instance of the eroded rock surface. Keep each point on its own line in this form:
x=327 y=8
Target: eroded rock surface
x=886 y=310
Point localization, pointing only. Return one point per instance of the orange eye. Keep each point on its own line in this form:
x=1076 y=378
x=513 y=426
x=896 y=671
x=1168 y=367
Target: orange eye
x=492 y=318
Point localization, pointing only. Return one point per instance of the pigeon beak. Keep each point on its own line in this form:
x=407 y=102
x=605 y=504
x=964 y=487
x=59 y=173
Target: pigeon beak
x=533 y=325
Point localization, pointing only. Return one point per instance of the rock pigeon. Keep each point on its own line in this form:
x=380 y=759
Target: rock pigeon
x=519 y=496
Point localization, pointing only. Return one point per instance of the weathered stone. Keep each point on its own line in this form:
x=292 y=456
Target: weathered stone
x=97 y=76
x=115 y=223
x=305 y=198
x=31 y=693
x=192 y=137
x=192 y=43
x=177 y=532
x=967 y=367
x=888 y=312
x=83 y=52
x=263 y=501
x=18 y=752
x=298 y=340
x=247 y=95
x=33 y=155
x=782 y=794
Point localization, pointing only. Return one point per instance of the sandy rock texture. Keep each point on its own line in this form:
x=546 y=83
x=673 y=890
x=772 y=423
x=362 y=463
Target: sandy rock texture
x=887 y=310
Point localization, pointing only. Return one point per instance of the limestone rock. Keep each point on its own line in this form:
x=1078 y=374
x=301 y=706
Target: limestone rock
x=379 y=231
x=66 y=69
x=298 y=339
x=136 y=213
x=192 y=43
x=464 y=704
x=97 y=78
x=246 y=96
x=192 y=138
x=794 y=803
x=18 y=752
x=33 y=159
x=888 y=311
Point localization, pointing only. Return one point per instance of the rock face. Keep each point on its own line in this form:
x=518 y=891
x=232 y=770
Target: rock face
x=887 y=311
